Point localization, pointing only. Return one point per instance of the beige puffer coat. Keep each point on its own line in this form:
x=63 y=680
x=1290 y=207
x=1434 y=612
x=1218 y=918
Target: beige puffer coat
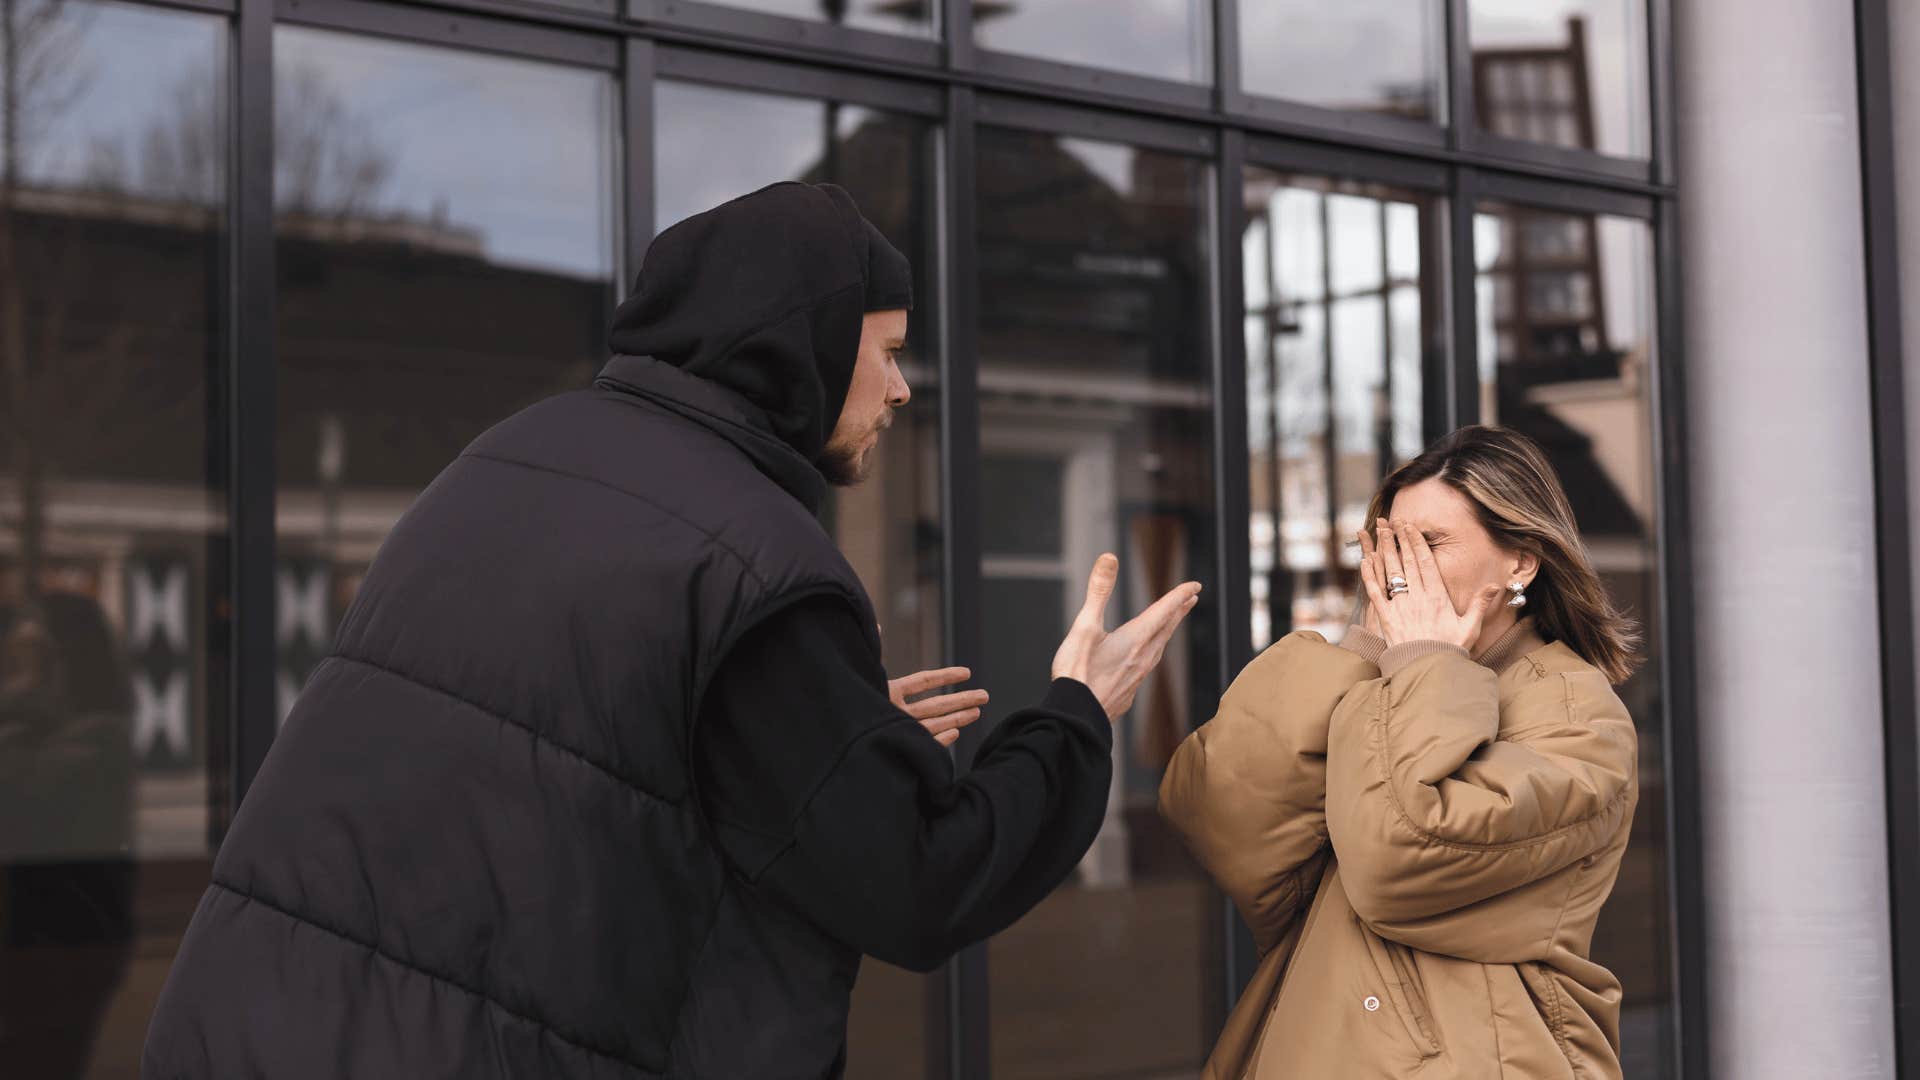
x=1421 y=856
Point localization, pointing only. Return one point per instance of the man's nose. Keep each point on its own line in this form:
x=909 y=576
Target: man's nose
x=902 y=393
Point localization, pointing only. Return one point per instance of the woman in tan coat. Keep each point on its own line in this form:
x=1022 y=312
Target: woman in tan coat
x=1420 y=824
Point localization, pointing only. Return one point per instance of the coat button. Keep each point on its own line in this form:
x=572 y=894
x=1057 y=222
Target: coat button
x=1372 y=1003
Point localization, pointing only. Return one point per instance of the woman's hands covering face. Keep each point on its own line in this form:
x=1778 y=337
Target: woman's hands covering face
x=1423 y=610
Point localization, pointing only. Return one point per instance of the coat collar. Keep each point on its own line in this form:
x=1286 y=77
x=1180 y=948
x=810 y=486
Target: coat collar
x=1519 y=640
x=725 y=413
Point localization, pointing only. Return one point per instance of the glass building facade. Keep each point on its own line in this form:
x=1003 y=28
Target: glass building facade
x=1194 y=275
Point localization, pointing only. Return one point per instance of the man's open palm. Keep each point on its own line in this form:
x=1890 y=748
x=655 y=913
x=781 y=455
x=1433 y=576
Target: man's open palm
x=1113 y=665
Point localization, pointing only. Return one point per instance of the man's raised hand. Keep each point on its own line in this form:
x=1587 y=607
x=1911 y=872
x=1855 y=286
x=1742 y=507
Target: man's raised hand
x=1113 y=665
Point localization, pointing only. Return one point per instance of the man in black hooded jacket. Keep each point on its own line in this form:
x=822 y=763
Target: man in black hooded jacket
x=603 y=777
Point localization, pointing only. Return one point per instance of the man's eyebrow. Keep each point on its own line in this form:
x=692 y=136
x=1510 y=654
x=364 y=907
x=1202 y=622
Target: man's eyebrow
x=897 y=343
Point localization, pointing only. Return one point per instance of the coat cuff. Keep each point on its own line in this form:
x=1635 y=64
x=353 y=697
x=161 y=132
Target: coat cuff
x=1071 y=697
x=1366 y=643
x=1399 y=656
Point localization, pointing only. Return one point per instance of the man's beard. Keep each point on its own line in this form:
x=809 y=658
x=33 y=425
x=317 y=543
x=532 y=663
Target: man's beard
x=848 y=466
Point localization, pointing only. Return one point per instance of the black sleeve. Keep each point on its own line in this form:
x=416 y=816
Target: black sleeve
x=826 y=796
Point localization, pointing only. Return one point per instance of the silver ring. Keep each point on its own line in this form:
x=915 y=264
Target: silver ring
x=1395 y=586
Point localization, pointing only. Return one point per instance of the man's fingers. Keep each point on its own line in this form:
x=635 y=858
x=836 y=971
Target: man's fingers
x=941 y=704
x=1106 y=571
x=952 y=721
x=947 y=738
x=1166 y=612
x=922 y=681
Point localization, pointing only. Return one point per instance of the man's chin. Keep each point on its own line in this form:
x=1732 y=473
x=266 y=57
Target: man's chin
x=846 y=468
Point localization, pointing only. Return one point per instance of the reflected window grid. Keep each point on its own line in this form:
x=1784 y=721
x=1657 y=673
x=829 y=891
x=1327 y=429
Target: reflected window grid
x=112 y=531
x=1569 y=298
x=1334 y=392
x=1095 y=385
x=1567 y=73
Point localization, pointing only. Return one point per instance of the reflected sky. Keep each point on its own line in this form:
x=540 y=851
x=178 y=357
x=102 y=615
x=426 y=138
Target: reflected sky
x=104 y=64
x=699 y=133
x=1166 y=39
x=520 y=151
x=1359 y=54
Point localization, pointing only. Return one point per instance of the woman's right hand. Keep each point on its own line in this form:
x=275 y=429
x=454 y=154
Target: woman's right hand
x=1113 y=665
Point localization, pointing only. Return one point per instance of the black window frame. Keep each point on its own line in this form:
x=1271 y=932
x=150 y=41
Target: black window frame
x=948 y=77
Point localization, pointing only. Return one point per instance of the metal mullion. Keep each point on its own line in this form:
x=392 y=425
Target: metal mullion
x=968 y=1009
x=1042 y=75
x=1567 y=198
x=800 y=80
x=217 y=7
x=815 y=35
x=1500 y=150
x=1459 y=91
x=1686 y=888
x=1892 y=527
x=957 y=32
x=1286 y=155
x=1463 y=283
x=480 y=33
x=252 y=404
x=637 y=129
x=582 y=14
x=1053 y=118
x=1660 y=97
x=1232 y=492
x=1342 y=124
x=1227 y=94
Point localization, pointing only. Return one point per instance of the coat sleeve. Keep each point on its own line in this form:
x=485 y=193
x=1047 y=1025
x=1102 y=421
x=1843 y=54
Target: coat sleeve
x=1433 y=809
x=825 y=797
x=1247 y=791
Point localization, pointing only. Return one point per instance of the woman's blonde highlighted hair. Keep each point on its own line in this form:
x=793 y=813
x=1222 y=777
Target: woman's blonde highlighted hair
x=1518 y=499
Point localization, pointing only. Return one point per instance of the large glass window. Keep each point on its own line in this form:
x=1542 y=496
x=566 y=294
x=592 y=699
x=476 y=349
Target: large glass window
x=445 y=233
x=1567 y=73
x=112 y=528
x=1096 y=419
x=1567 y=330
x=1164 y=39
x=915 y=17
x=1382 y=56
x=715 y=144
x=1344 y=323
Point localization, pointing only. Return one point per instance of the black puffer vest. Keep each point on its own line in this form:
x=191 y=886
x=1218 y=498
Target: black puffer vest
x=474 y=850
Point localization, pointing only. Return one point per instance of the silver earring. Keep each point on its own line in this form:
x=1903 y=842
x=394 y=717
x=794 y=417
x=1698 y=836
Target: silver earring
x=1519 y=597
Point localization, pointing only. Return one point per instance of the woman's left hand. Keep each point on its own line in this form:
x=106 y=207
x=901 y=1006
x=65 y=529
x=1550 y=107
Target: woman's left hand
x=1423 y=611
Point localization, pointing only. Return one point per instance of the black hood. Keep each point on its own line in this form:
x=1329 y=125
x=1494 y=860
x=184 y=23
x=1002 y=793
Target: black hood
x=763 y=296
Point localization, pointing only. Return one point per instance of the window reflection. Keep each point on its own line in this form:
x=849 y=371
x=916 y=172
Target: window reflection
x=1569 y=73
x=1362 y=55
x=1164 y=39
x=1344 y=322
x=445 y=229
x=1567 y=332
x=1095 y=400
x=915 y=17
x=112 y=206
x=715 y=144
